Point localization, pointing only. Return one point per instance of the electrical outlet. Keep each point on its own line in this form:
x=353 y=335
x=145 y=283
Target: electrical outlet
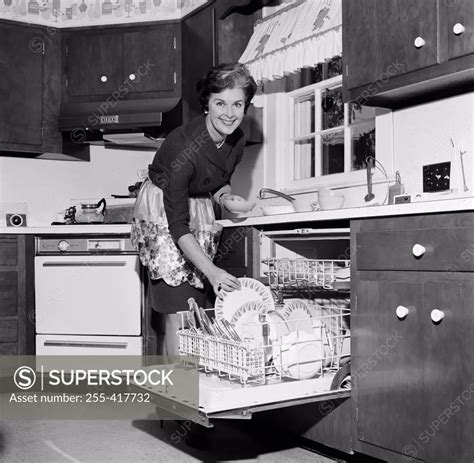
x=436 y=177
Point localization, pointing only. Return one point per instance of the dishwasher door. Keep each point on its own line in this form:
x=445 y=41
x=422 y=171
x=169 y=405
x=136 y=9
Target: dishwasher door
x=222 y=399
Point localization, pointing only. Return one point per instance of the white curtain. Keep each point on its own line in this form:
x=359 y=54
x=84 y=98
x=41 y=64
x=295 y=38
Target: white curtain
x=302 y=35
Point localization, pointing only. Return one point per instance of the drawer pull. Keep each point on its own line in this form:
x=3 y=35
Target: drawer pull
x=402 y=312
x=458 y=29
x=419 y=42
x=418 y=250
x=437 y=315
x=103 y=79
x=132 y=76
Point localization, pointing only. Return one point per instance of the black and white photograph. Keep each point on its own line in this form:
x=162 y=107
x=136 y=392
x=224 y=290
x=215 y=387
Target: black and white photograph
x=237 y=231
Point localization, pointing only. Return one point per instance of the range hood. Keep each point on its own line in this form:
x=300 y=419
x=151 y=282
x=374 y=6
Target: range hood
x=140 y=124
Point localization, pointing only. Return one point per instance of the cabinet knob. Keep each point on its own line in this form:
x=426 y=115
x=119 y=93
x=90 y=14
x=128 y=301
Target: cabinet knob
x=401 y=312
x=132 y=76
x=458 y=29
x=419 y=42
x=437 y=315
x=418 y=250
x=103 y=79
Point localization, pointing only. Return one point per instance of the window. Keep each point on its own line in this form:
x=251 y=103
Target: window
x=328 y=140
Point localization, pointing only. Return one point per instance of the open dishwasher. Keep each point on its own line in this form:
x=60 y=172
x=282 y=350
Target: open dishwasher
x=282 y=340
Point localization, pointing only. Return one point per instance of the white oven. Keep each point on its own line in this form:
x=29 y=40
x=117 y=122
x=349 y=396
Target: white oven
x=88 y=294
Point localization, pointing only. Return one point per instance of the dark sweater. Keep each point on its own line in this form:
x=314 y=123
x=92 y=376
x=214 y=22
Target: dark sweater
x=188 y=164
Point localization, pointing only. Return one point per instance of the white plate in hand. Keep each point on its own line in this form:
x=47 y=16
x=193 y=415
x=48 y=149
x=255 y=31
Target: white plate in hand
x=251 y=290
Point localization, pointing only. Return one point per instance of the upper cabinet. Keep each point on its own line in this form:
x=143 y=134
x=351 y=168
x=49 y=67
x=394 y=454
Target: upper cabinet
x=398 y=53
x=22 y=58
x=458 y=27
x=93 y=64
x=30 y=93
x=122 y=61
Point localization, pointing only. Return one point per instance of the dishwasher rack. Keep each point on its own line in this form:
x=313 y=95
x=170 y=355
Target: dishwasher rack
x=303 y=274
x=275 y=357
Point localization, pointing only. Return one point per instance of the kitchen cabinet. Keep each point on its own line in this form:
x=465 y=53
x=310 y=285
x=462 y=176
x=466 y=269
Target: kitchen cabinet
x=402 y=52
x=132 y=62
x=17 y=316
x=386 y=33
x=412 y=337
x=29 y=64
x=458 y=27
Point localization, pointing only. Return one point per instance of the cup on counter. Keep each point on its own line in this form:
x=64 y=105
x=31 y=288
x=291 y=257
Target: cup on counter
x=302 y=203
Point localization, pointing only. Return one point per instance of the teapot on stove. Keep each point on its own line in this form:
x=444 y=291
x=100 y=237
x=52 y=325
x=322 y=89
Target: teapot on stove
x=91 y=212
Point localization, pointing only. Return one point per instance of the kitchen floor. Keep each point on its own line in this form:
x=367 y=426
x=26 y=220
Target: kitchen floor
x=145 y=441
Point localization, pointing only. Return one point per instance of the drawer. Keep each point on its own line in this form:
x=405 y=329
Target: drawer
x=443 y=249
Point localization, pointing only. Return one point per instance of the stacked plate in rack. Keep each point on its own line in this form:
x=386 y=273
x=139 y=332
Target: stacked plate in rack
x=297 y=343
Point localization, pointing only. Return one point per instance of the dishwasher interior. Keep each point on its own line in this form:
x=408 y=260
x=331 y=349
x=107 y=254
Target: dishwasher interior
x=288 y=346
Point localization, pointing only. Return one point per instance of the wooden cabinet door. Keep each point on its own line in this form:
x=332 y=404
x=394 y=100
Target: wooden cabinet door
x=458 y=13
x=448 y=424
x=399 y=24
x=359 y=42
x=94 y=64
x=150 y=59
x=379 y=39
x=16 y=295
x=387 y=361
x=21 y=86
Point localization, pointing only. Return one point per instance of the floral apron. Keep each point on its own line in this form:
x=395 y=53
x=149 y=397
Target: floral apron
x=156 y=248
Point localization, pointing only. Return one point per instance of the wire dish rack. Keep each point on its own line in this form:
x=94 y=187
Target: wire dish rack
x=276 y=343
x=286 y=274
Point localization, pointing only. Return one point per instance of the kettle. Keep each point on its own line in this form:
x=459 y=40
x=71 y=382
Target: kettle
x=91 y=212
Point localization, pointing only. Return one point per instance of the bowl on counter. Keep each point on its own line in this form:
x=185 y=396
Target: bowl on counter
x=275 y=210
x=237 y=206
x=329 y=199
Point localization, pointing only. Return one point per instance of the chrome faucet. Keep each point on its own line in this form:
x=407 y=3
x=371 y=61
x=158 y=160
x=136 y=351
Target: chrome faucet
x=263 y=191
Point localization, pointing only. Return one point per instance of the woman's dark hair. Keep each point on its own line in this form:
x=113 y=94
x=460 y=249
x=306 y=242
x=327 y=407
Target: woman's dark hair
x=222 y=77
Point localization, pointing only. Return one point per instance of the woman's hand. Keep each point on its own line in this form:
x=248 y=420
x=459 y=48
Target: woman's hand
x=221 y=280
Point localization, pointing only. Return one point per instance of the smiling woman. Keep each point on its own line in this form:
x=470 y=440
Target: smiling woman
x=174 y=224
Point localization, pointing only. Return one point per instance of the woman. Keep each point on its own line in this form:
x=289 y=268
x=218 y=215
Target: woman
x=174 y=223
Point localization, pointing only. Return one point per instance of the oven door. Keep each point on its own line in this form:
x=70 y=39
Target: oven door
x=88 y=294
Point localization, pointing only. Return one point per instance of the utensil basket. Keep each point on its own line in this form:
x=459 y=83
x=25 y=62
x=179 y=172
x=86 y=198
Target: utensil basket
x=237 y=360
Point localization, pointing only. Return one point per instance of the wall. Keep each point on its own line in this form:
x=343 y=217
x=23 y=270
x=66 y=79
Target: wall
x=246 y=180
x=47 y=186
x=422 y=136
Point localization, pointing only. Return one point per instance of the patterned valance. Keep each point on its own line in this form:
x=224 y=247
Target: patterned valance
x=302 y=35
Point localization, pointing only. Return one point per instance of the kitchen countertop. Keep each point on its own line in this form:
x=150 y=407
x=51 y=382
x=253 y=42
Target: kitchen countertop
x=422 y=207
x=67 y=229
x=425 y=207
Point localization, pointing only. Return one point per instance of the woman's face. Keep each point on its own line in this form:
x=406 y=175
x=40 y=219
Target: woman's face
x=226 y=112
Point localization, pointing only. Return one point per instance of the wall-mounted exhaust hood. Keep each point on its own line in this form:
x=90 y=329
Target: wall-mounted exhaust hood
x=139 y=124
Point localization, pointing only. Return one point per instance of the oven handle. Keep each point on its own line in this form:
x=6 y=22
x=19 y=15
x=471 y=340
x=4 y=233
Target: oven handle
x=85 y=264
x=100 y=345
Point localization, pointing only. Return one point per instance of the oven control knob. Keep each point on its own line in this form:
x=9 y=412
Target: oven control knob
x=63 y=245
